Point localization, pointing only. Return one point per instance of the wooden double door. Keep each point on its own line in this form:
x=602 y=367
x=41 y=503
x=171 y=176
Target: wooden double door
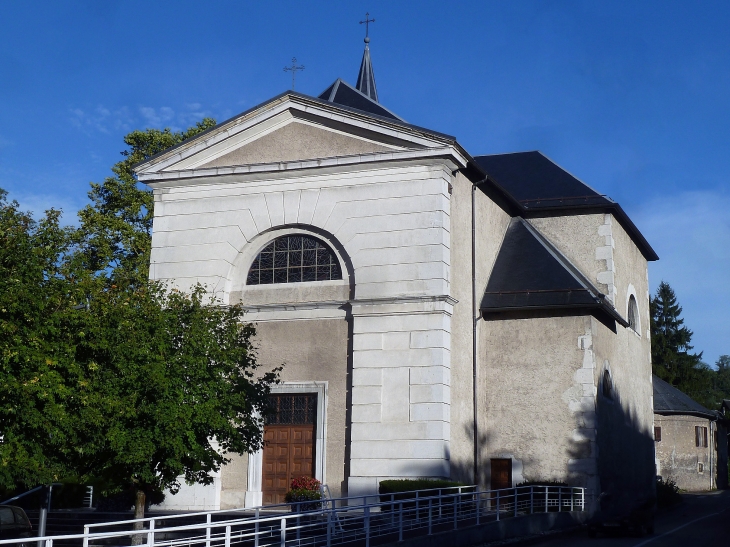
x=288 y=443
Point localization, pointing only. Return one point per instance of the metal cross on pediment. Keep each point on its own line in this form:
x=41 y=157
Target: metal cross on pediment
x=367 y=22
x=293 y=69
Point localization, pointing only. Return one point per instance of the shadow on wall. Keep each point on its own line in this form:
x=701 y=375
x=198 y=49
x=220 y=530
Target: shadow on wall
x=624 y=473
x=616 y=464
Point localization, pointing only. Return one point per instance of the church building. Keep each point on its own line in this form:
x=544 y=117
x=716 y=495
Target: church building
x=483 y=318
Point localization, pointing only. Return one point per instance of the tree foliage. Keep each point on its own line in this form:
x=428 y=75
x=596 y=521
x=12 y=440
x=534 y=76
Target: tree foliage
x=175 y=382
x=41 y=385
x=672 y=356
x=104 y=374
x=116 y=227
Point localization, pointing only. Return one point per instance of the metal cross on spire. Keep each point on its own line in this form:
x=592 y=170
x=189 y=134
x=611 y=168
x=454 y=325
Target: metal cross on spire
x=367 y=22
x=293 y=69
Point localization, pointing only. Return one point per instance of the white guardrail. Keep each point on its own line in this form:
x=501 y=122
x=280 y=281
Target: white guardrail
x=389 y=517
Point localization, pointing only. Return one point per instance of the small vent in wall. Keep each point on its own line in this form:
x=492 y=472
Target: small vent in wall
x=700 y=467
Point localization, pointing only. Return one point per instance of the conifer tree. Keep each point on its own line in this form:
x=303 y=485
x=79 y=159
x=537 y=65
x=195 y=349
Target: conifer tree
x=672 y=359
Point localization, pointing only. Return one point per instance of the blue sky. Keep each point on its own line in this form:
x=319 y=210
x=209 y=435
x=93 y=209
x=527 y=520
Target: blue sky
x=631 y=97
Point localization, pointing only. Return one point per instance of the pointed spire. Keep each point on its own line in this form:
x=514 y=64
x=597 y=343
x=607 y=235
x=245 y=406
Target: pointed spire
x=366 y=78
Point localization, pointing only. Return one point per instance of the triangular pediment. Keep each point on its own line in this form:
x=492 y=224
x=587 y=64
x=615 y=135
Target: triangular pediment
x=297 y=141
x=290 y=128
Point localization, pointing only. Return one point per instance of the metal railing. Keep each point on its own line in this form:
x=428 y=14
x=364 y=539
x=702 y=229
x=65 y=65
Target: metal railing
x=388 y=517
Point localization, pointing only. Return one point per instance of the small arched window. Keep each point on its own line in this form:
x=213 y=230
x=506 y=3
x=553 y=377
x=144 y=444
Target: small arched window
x=292 y=259
x=607 y=387
x=633 y=313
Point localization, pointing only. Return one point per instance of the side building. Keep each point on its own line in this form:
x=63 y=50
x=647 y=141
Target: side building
x=686 y=440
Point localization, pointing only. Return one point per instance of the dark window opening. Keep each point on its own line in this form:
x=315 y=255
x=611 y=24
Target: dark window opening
x=289 y=409
x=700 y=436
x=633 y=314
x=293 y=259
x=658 y=434
x=607 y=385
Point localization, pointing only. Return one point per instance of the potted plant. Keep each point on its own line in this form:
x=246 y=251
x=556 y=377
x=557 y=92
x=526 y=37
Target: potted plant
x=304 y=494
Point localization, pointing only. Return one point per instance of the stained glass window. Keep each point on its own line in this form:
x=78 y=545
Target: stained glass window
x=294 y=258
x=287 y=409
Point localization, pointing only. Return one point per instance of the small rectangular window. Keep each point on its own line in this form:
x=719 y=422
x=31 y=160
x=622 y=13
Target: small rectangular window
x=700 y=467
x=701 y=436
x=657 y=434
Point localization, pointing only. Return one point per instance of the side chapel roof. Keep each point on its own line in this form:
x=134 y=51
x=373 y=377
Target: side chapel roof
x=539 y=186
x=531 y=274
x=668 y=400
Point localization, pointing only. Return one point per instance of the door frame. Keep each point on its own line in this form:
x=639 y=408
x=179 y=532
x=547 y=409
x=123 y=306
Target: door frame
x=254 y=494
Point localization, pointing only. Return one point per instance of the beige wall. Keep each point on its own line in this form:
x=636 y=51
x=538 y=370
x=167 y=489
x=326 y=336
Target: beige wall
x=531 y=396
x=310 y=350
x=578 y=237
x=678 y=455
x=491 y=225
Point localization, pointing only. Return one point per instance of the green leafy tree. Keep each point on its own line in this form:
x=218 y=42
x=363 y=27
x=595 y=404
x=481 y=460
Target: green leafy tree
x=671 y=355
x=42 y=388
x=106 y=375
x=114 y=238
x=722 y=378
x=176 y=386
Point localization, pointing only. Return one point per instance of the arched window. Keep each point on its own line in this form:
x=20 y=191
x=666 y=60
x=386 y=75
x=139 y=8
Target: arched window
x=294 y=258
x=607 y=385
x=633 y=314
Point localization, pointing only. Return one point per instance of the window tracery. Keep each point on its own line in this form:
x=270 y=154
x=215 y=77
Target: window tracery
x=292 y=259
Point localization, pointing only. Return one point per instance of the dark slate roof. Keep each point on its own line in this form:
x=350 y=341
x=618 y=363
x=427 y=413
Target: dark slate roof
x=530 y=273
x=366 y=77
x=668 y=400
x=538 y=185
x=342 y=93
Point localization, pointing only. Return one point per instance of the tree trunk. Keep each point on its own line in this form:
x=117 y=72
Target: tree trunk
x=139 y=502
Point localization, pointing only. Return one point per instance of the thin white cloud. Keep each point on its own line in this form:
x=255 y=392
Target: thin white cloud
x=691 y=233
x=38 y=204
x=105 y=120
x=101 y=119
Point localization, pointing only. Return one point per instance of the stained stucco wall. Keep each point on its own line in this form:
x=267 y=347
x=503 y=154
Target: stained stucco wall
x=313 y=350
x=491 y=223
x=461 y=457
x=679 y=456
x=534 y=397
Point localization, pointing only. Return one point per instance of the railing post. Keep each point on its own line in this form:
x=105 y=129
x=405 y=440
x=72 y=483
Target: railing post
x=49 y=543
x=572 y=494
x=560 y=499
x=515 y=510
x=282 y=534
x=400 y=522
x=546 y=499
x=417 y=509
x=429 y=516
x=151 y=534
x=497 y=504
x=207 y=530
x=532 y=499
x=441 y=497
x=479 y=506
x=583 y=499
x=456 y=511
x=228 y=536
x=256 y=528
x=392 y=509
x=367 y=526
x=86 y=536
x=329 y=527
